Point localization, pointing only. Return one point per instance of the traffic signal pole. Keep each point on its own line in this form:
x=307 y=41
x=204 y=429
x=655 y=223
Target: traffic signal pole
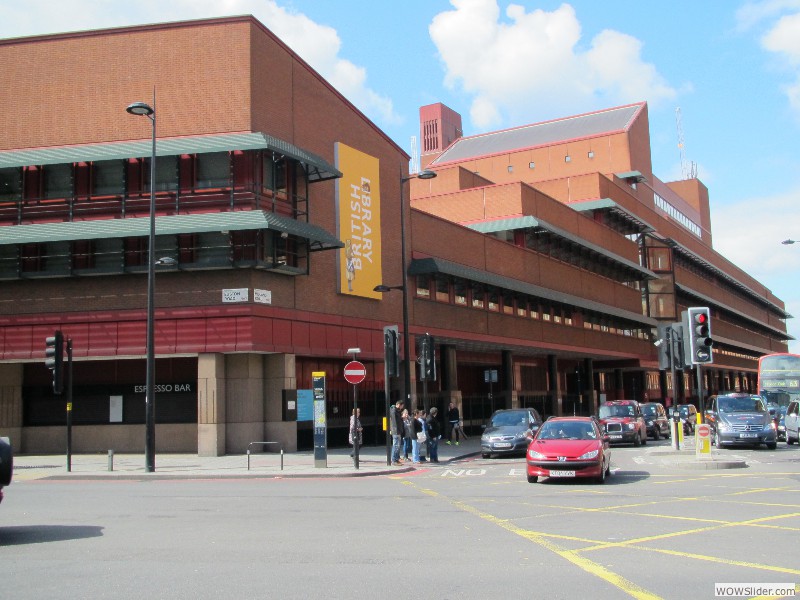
x=69 y=404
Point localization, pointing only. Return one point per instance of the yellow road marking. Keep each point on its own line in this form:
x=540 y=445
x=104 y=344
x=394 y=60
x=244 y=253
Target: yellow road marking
x=724 y=561
x=584 y=563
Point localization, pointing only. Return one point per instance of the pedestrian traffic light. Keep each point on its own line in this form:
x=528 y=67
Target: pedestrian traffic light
x=426 y=356
x=54 y=359
x=663 y=344
x=697 y=341
x=391 y=350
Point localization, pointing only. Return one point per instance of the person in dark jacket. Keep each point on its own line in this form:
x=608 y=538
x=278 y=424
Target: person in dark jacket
x=408 y=433
x=396 y=430
x=454 y=423
x=434 y=431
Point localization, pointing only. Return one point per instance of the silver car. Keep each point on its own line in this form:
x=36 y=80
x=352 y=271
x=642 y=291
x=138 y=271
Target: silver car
x=509 y=431
x=739 y=419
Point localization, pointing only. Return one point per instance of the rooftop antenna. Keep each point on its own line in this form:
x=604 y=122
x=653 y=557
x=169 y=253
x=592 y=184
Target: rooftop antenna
x=688 y=168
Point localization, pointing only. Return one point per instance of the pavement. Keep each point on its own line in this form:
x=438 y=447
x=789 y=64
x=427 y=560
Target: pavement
x=372 y=461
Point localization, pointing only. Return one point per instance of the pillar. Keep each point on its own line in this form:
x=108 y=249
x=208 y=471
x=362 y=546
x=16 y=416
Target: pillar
x=211 y=404
x=553 y=386
x=11 y=405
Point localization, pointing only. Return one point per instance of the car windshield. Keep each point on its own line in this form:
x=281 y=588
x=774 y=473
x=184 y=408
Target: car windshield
x=509 y=419
x=740 y=404
x=684 y=410
x=566 y=430
x=616 y=410
x=650 y=410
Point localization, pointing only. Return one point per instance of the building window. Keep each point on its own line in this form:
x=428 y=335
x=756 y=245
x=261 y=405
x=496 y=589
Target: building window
x=108 y=177
x=590 y=154
x=522 y=307
x=493 y=300
x=166 y=173
x=567 y=158
x=531 y=165
x=460 y=292
x=11 y=183
x=478 y=296
x=58 y=181
x=442 y=289
x=510 y=168
x=423 y=286
x=213 y=170
x=508 y=304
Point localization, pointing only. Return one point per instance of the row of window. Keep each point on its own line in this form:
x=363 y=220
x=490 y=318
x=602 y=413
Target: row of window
x=198 y=250
x=210 y=170
x=470 y=294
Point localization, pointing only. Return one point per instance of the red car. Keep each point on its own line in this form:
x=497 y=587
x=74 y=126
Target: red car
x=569 y=447
x=623 y=421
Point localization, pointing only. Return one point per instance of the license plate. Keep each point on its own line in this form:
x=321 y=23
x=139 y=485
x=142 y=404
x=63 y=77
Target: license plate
x=502 y=445
x=748 y=435
x=562 y=473
x=615 y=437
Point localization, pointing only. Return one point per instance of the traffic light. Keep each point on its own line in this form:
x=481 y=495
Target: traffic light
x=391 y=350
x=54 y=359
x=663 y=344
x=426 y=356
x=697 y=341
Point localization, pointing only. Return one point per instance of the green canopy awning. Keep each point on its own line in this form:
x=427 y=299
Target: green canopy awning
x=318 y=168
x=318 y=238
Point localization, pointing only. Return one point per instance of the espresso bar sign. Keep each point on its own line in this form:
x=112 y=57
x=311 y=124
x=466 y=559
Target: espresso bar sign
x=164 y=388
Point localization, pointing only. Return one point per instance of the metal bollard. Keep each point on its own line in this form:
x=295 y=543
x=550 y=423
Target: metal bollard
x=110 y=460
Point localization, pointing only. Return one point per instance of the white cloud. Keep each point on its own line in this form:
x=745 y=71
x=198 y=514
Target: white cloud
x=531 y=62
x=317 y=44
x=749 y=235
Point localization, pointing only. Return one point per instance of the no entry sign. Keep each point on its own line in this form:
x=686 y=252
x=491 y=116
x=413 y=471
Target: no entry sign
x=355 y=372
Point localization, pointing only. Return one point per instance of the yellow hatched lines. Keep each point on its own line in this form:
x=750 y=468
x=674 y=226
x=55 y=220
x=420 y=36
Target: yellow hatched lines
x=576 y=557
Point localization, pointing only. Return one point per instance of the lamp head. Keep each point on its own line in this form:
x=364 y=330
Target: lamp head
x=787 y=242
x=141 y=109
x=353 y=350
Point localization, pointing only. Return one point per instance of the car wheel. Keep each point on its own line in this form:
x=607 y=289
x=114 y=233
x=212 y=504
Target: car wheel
x=656 y=434
x=717 y=440
x=644 y=437
x=602 y=477
x=772 y=445
x=789 y=439
x=637 y=441
x=485 y=455
x=532 y=479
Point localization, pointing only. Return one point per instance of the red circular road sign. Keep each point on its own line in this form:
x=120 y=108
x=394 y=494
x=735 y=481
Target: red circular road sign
x=355 y=372
x=703 y=431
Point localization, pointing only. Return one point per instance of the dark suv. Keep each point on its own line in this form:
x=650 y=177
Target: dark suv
x=656 y=419
x=738 y=419
x=6 y=464
x=622 y=420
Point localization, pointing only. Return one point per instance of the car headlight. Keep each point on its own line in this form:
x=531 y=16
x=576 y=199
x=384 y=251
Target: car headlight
x=631 y=425
x=484 y=438
x=769 y=426
x=649 y=423
x=723 y=426
x=521 y=435
x=588 y=455
x=535 y=454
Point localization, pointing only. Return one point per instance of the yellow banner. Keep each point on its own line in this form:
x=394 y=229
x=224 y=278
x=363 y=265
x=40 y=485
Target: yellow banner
x=358 y=195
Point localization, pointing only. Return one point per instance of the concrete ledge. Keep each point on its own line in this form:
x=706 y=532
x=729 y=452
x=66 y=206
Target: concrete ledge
x=687 y=459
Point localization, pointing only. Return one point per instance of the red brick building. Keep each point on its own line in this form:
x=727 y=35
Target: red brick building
x=557 y=281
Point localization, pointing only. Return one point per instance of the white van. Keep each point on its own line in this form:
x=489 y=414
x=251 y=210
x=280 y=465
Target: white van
x=792 y=421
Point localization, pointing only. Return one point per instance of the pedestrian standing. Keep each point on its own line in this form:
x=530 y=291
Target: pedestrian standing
x=454 y=422
x=408 y=433
x=396 y=429
x=422 y=441
x=434 y=431
x=356 y=435
x=416 y=428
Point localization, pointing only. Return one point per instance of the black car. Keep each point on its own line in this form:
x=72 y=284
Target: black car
x=509 y=431
x=6 y=464
x=655 y=417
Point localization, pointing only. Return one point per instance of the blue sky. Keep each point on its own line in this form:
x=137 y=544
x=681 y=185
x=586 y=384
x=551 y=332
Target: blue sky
x=730 y=66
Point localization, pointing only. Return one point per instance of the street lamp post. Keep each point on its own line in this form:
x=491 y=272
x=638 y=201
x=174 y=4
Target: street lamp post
x=404 y=287
x=145 y=110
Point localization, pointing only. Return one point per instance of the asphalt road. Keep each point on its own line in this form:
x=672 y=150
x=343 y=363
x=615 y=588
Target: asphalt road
x=474 y=529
